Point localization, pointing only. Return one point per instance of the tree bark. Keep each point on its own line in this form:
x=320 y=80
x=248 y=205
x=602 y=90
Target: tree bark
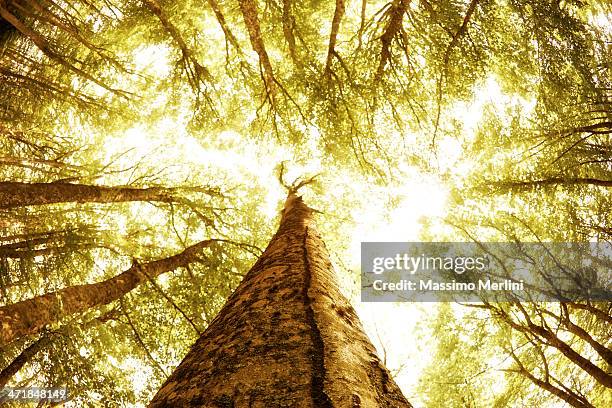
x=248 y=8
x=16 y=194
x=286 y=337
x=333 y=36
x=30 y=316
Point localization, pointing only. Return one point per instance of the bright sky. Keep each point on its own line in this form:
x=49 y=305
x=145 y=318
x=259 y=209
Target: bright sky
x=395 y=328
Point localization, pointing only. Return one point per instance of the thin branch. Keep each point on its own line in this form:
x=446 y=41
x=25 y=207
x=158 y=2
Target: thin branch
x=142 y=344
x=395 y=15
x=444 y=74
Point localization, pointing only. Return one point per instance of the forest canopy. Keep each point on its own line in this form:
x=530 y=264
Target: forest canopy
x=141 y=144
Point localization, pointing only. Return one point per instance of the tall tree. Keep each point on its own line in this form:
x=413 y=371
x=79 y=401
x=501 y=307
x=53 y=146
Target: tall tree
x=285 y=337
x=15 y=194
x=30 y=316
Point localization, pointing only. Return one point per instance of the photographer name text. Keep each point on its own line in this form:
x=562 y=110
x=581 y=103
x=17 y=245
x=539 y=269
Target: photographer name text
x=454 y=286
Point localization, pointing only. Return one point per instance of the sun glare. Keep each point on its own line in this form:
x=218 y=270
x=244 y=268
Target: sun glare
x=421 y=196
x=153 y=59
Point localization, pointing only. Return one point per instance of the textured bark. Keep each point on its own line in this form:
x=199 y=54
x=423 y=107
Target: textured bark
x=248 y=9
x=15 y=194
x=286 y=337
x=30 y=316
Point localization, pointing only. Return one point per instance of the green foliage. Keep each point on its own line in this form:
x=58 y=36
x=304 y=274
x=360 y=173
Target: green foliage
x=462 y=370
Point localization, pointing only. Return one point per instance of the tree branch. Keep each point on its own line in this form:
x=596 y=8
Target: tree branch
x=335 y=27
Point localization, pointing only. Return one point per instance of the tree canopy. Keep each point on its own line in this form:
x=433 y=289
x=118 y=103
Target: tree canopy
x=131 y=131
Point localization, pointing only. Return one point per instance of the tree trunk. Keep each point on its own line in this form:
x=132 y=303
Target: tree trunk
x=333 y=36
x=286 y=337
x=15 y=194
x=248 y=9
x=504 y=186
x=24 y=357
x=30 y=316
